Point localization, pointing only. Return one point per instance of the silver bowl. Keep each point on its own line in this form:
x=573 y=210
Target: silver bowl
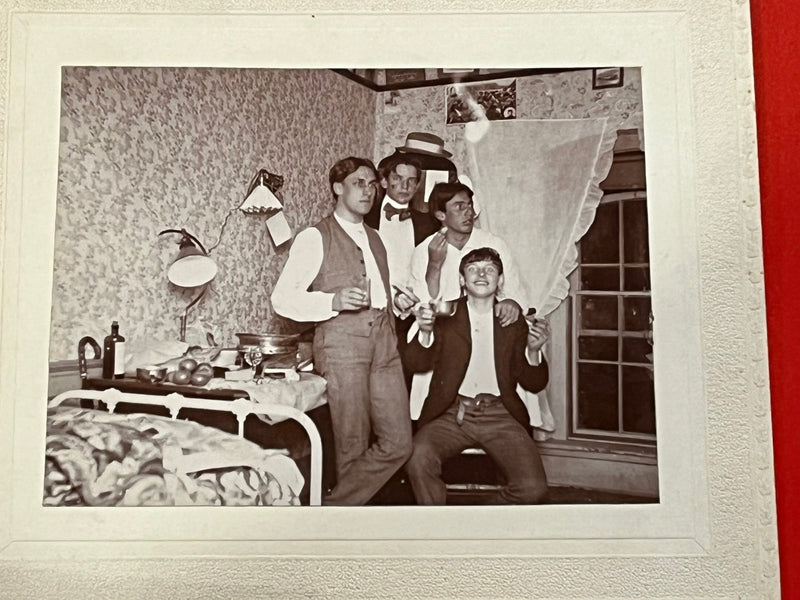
x=151 y=374
x=268 y=343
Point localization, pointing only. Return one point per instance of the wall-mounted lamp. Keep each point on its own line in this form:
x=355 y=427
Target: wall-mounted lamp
x=260 y=197
x=261 y=200
x=191 y=268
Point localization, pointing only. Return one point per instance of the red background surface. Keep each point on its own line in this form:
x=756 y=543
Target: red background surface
x=776 y=46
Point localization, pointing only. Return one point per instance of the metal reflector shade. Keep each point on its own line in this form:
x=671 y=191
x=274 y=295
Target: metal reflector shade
x=191 y=268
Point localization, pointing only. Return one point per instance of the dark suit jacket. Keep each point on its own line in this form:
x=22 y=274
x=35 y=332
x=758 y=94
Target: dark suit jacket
x=425 y=224
x=449 y=356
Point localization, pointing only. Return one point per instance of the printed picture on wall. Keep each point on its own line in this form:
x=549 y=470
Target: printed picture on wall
x=494 y=100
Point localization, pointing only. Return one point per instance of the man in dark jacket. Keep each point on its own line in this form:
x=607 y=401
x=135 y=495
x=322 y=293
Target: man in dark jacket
x=400 y=227
x=477 y=365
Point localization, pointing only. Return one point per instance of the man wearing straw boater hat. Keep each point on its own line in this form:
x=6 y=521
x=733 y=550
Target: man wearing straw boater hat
x=400 y=226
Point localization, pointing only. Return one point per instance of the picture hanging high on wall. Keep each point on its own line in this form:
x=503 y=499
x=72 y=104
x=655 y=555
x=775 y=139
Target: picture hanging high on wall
x=609 y=77
x=492 y=100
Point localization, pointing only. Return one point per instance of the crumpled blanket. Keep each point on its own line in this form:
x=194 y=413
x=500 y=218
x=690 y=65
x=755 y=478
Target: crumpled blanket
x=95 y=458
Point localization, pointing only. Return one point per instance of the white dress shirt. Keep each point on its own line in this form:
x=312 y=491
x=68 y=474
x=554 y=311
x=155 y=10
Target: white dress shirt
x=291 y=298
x=398 y=237
x=481 y=375
x=449 y=286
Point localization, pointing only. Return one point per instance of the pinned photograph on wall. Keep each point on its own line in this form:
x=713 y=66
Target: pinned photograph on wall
x=491 y=100
x=607 y=78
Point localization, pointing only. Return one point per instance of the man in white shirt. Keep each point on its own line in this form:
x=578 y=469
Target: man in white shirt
x=337 y=275
x=401 y=227
x=477 y=364
x=435 y=262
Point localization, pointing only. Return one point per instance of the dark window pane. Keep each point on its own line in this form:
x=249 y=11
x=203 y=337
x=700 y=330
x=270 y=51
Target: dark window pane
x=598 y=348
x=637 y=313
x=634 y=222
x=601 y=242
x=637 y=279
x=638 y=400
x=636 y=350
x=600 y=278
x=597 y=397
x=599 y=312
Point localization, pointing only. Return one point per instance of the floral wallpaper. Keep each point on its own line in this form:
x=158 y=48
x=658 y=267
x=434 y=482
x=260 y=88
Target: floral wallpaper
x=148 y=149
x=553 y=96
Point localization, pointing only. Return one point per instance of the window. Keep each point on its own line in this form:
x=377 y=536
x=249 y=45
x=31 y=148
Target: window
x=612 y=384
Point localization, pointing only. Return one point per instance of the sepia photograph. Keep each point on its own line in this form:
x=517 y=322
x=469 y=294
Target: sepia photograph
x=180 y=319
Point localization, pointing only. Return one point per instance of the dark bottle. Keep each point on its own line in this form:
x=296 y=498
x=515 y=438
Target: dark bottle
x=114 y=354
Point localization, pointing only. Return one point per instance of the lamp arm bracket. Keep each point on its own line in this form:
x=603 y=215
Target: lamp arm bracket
x=188 y=235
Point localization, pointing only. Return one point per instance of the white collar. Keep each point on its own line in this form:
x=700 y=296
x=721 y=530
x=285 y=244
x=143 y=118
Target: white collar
x=348 y=226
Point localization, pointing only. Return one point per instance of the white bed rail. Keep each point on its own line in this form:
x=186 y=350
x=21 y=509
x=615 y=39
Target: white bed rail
x=240 y=407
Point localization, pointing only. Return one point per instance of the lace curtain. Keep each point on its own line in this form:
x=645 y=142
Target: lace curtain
x=537 y=182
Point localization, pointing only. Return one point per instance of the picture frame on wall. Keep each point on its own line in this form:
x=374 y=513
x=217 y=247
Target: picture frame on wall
x=607 y=77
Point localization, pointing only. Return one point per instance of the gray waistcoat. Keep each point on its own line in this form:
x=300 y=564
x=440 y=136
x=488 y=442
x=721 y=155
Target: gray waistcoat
x=342 y=263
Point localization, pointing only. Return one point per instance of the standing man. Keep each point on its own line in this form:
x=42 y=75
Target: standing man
x=401 y=227
x=477 y=364
x=337 y=274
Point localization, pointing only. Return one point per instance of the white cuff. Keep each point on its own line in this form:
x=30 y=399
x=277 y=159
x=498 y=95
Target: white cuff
x=425 y=339
x=534 y=361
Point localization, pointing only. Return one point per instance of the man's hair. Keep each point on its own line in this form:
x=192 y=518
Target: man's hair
x=442 y=193
x=391 y=162
x=348 y=165
x=480 y=255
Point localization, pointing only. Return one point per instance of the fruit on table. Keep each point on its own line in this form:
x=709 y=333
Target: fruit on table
x=188 y=364
x=182 y=377
x=204 y=368
x=200 y=378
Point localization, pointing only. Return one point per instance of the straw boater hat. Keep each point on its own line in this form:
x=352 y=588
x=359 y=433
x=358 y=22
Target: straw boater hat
x=419 y=142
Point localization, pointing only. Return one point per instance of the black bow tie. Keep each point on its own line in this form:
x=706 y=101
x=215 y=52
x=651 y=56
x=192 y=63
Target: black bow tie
x=390 y=211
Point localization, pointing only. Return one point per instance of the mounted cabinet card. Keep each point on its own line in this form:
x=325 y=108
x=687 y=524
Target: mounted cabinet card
x=623 y=201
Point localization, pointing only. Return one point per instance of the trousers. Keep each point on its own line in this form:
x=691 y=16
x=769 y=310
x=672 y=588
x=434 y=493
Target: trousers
x=502 y=437
x=368 y=401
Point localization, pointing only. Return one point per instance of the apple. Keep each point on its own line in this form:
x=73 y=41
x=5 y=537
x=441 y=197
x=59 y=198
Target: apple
x=188 y=364
x=182 y=377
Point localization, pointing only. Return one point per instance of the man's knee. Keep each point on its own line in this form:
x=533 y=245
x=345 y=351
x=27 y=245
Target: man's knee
x=531 y=491
x=398 y=449
x=423 y=459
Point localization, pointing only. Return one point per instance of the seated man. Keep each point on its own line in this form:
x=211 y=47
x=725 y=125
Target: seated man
x=477 y=364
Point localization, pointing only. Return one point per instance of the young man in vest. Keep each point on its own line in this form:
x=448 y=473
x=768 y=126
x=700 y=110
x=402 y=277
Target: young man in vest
x=337 y=275
x=477 y=364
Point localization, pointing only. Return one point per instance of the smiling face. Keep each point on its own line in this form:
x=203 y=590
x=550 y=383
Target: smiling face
x=481 y=279
x=458 y=215
x=401 y=183
x=356 y=193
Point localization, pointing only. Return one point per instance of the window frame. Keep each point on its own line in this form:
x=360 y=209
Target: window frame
x=576 y=293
